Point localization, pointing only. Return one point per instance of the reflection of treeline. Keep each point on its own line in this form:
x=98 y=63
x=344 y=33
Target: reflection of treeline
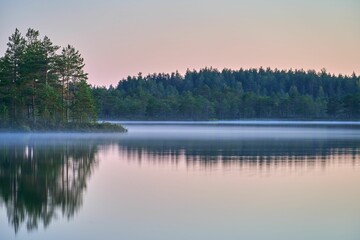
x=39 y=182
x=257 y=152
x=211 y=94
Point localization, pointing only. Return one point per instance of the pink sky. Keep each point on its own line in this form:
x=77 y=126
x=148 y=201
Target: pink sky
x=121 y=38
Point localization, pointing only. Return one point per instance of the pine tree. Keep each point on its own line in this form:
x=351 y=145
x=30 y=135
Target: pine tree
x=41 y=88
x=12 y=62
x=70 y=66
x=84 y=106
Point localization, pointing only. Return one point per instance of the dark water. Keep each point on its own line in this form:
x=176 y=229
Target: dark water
x=222 y=180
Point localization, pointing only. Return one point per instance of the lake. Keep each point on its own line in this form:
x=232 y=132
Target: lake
x=184 y=180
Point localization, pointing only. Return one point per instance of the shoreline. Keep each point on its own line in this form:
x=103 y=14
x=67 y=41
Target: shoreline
x=103 y=127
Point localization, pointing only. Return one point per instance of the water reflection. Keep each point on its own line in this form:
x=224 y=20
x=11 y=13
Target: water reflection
x=243 y=154
x=43 y=177
x=40 y=182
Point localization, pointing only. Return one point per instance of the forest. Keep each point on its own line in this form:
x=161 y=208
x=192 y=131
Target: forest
x=44 y=86
x=210 y=94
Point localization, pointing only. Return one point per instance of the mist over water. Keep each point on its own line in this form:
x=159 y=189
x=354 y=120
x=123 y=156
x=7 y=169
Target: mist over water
x=183 y=180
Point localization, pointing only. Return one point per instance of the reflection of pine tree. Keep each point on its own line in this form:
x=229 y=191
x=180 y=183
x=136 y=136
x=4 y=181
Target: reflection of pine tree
x=39 y=182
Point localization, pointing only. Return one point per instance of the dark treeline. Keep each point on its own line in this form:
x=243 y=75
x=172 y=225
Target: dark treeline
x=232 y=94
x=41 y=85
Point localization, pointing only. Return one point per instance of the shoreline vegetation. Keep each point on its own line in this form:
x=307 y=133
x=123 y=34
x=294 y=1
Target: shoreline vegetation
x=43 y=88
x=93 y=127
x=209 y=94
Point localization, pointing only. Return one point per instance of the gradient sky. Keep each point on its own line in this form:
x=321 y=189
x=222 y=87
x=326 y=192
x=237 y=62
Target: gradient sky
x=124 y=37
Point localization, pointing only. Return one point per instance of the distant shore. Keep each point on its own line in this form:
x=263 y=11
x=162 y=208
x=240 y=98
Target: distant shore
x=102 y=127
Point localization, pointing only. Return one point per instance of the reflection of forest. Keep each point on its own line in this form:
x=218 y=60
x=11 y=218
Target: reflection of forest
x=246 y=153
x=38 y=182
x=42 y=178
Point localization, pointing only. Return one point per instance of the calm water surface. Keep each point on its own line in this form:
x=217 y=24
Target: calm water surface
x=175 y=180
